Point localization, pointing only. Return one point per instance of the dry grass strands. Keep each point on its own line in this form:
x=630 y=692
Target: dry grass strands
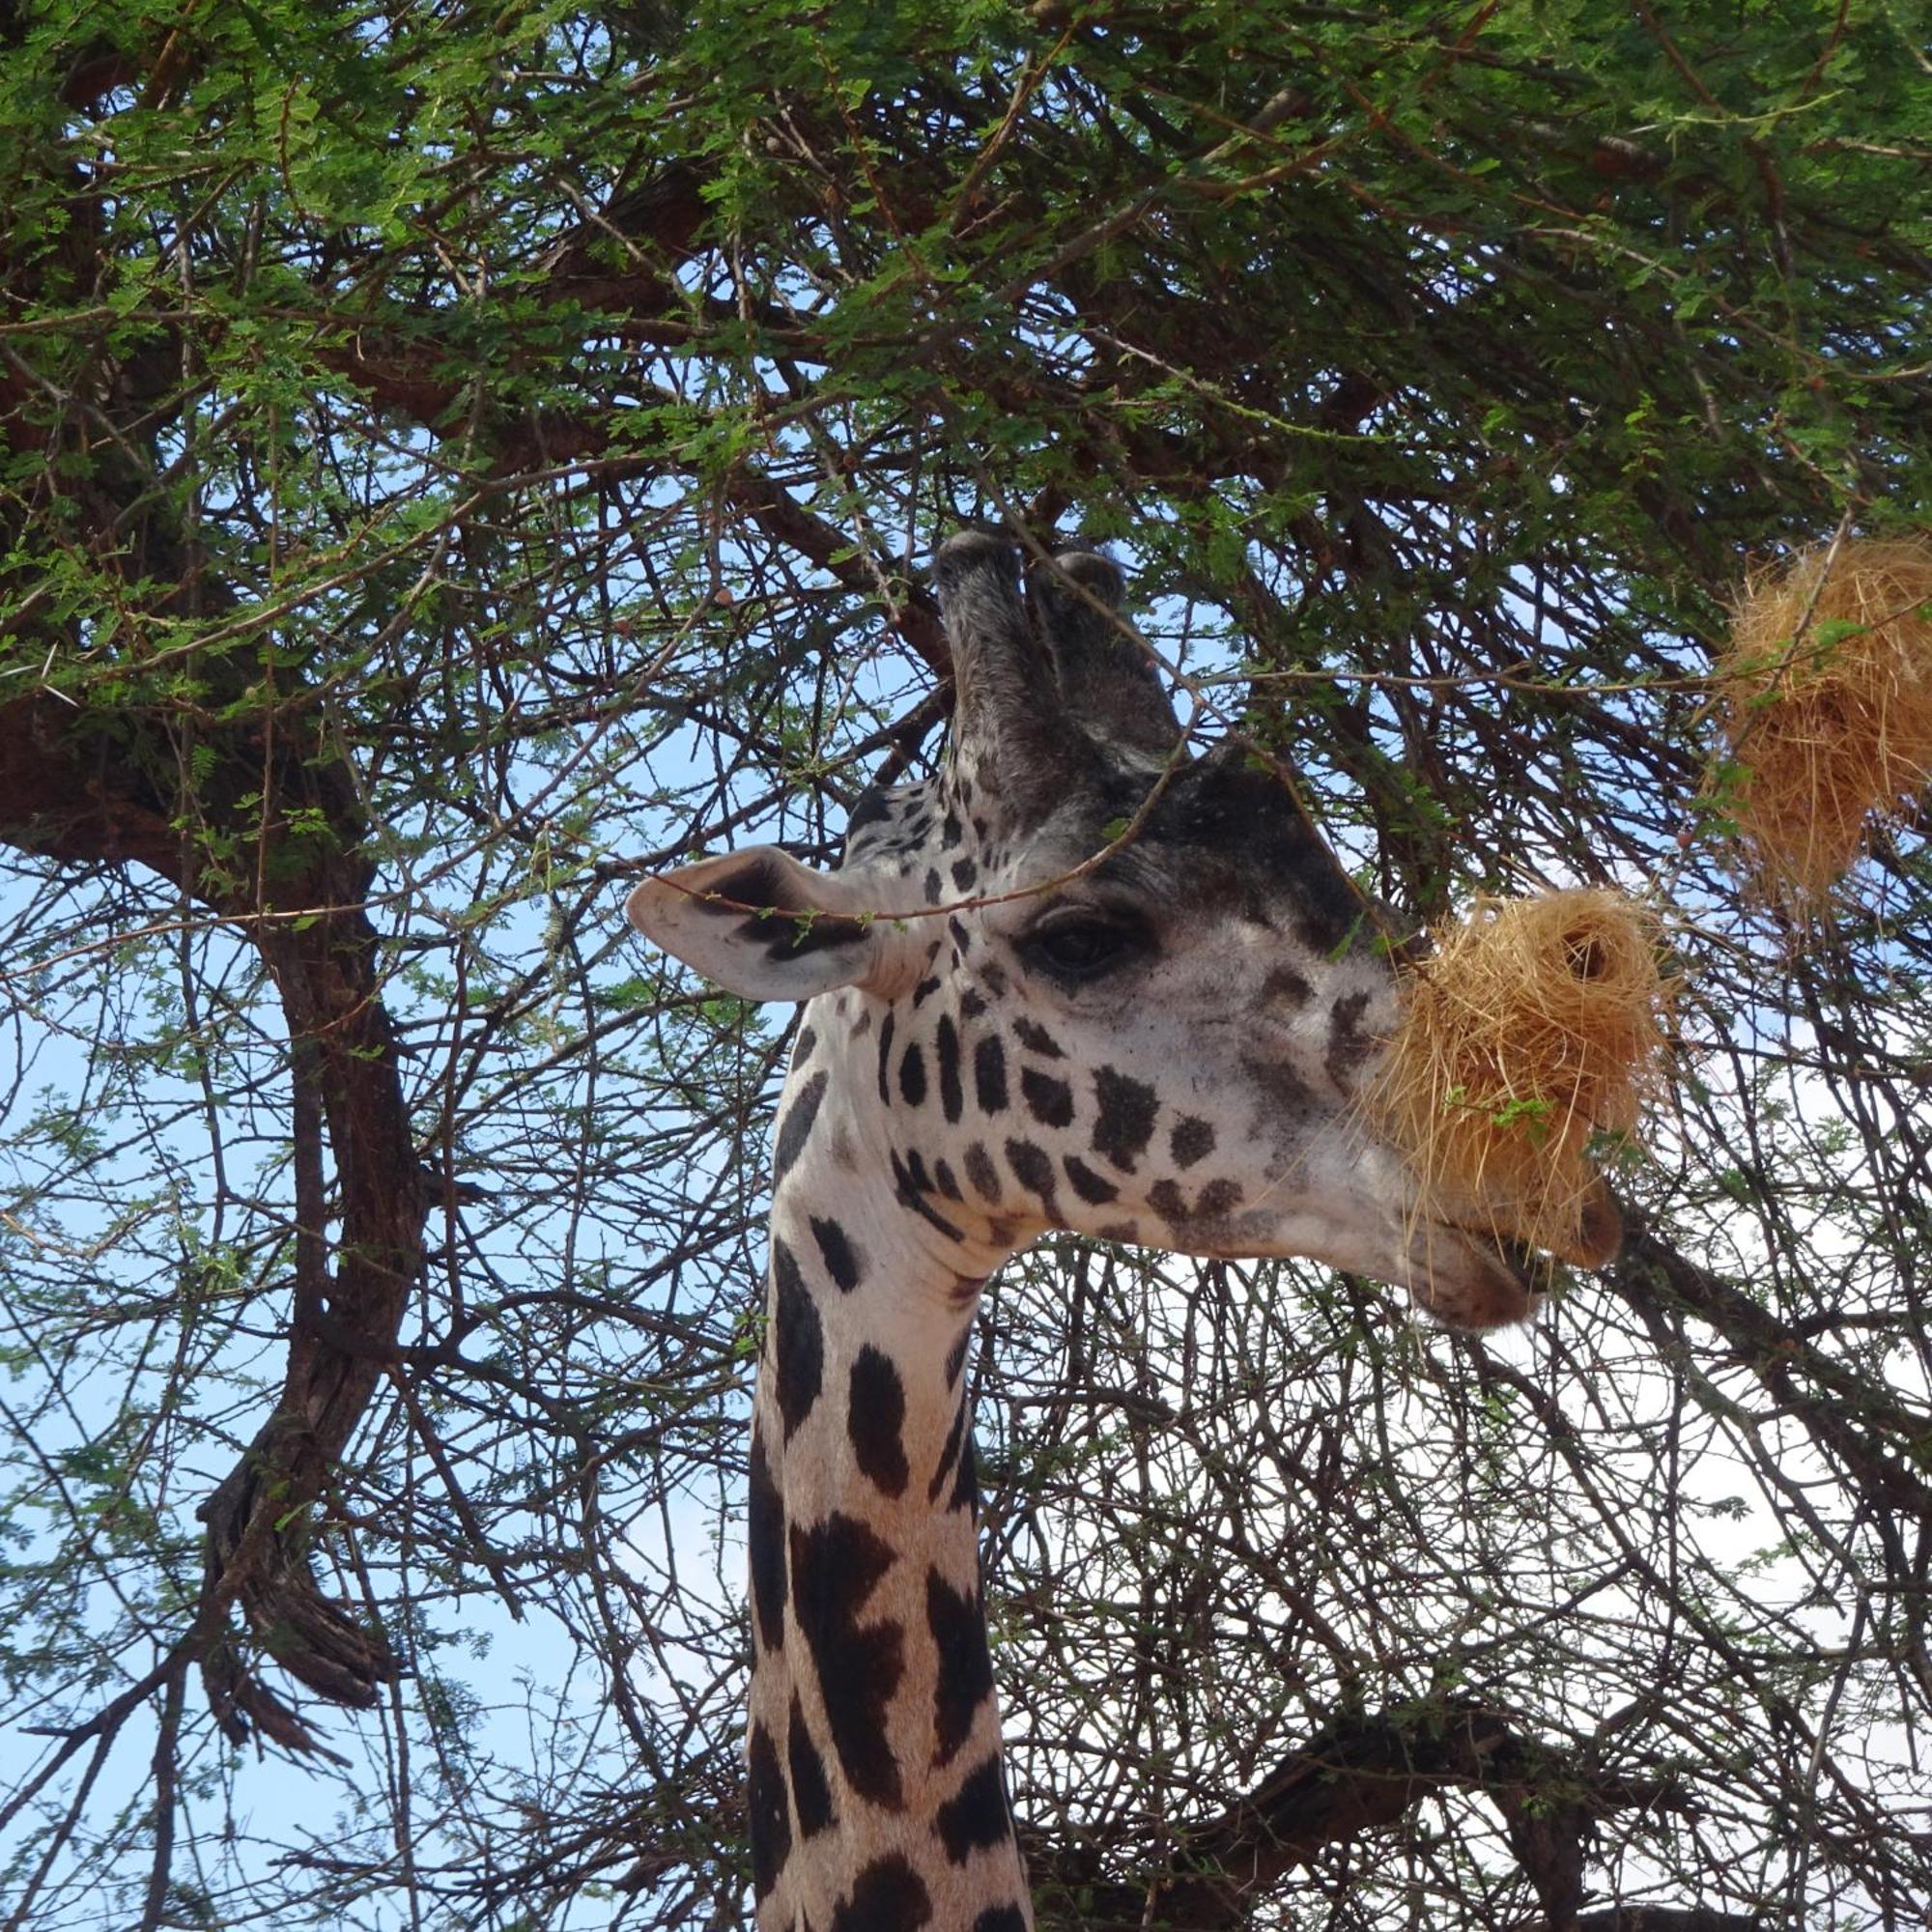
x=1827 y=692
x=1537 y=1024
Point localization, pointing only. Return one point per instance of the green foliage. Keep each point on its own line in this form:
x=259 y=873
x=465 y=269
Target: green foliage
x=453 y=459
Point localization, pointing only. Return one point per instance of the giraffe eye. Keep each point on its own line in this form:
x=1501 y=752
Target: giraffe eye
x=1084 y=945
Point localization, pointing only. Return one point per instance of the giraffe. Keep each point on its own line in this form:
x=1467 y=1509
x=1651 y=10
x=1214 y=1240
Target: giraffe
x=1166 y=1047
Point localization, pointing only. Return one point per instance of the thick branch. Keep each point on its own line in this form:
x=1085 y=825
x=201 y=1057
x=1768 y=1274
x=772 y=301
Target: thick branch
x=71 y=790
x=1860 y=1424
x=1361 y=1774
x=1647 y=1919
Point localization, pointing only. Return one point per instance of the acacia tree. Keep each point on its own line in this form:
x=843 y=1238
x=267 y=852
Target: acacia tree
x=456 y=460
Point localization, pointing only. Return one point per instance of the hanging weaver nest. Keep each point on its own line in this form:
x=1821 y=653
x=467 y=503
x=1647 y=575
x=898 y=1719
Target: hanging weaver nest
x=1535 y=1026
x=1827 y=692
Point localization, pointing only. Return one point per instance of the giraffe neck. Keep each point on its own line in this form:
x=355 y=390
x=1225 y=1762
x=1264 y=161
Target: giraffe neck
x=877 y=1788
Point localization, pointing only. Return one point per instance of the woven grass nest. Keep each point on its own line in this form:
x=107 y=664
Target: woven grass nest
x=1826 y=688
x=1536 y=1026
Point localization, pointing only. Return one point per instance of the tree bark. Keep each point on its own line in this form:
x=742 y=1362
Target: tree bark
x=1362 y=1775
x=86 y=790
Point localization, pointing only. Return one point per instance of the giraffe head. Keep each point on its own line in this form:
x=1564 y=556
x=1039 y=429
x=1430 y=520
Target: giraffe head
x=1099 y=984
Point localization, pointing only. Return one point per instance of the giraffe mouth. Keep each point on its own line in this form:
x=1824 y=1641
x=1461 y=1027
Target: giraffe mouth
x=1509 y=1278
x=1597 y=1239
x=1486 y=1281
x=1530 y=1266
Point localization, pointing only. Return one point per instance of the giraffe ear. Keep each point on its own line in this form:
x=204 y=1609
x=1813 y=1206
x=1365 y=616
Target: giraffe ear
x=766 y=927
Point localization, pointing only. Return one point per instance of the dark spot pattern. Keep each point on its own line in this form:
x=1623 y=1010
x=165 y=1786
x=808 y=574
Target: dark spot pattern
x=887 y=1896
x=886 y=1062
x=965 y=1675
x=1279 y=1082
x=912 y=1076
x=946 y=1181
x=810 y=1789
x=835 y=1567
x=1218 y=1200
x=1192 y=1140
x=799 y=1346
x=934 y=889
x=766 y=1538
x=1166 y=1198
x=964 y=874
x=841 y=1258
x=1001 y=1918
x=1215 y=1203
x=1125 y=1122
x=808 y=1046
x=771 y=1824
x=1049 y=1102
x=1092 y=1188
x=966 y=1478
x=869 y=808
x=955 y=1357
x=989 y=1075
x=982 y=1173
x=1035 y=1172
x=1037 y=1039
x=795 y=1129
x=946 y=1049
x=1285 y=983
x=1347 y=1044
x=948 y=1454
x=911 y=1194
x=751 y=885
x=925 y=989
x=977 y=1816
x=793 y=933
x=877 y=1418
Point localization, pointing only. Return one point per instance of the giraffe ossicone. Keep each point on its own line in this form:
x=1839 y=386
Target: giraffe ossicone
x=1000 y=1036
